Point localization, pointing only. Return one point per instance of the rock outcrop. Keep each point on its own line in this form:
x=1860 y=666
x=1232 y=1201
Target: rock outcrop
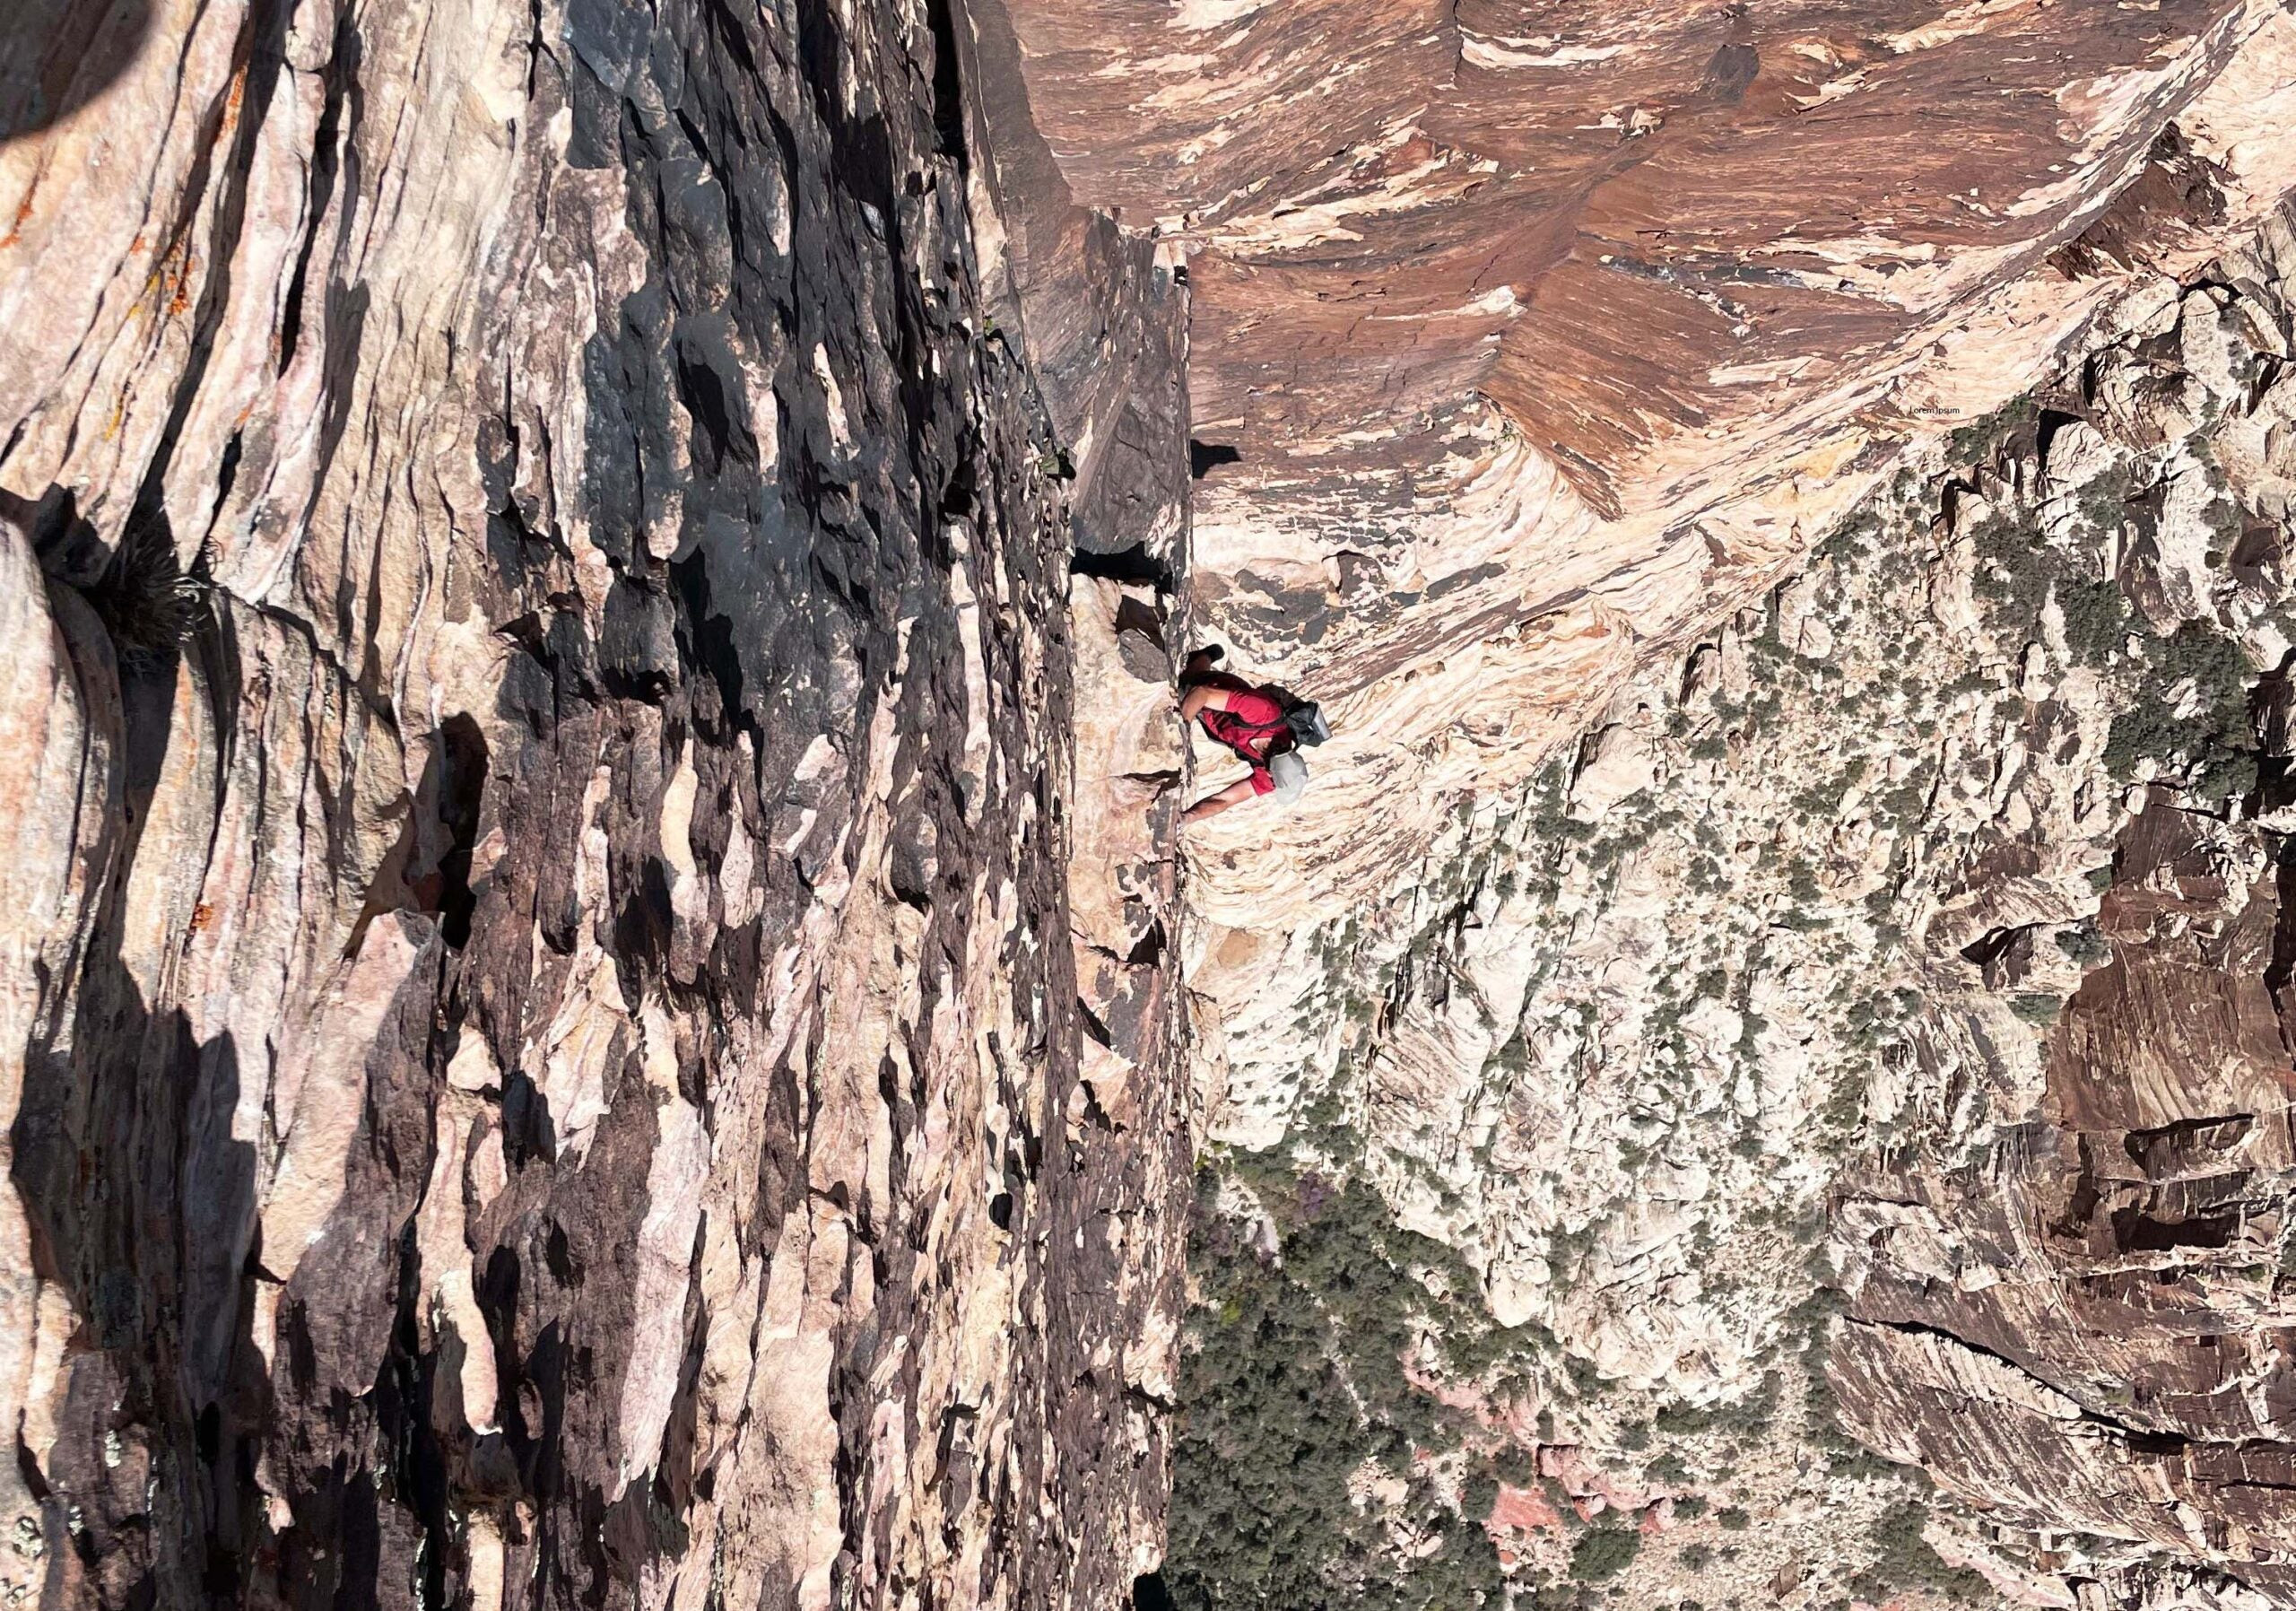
x=1531 y=340
x=597 y=1001
x=1869 y=1038
x=2082 y=1329
x=2071 y=1299
x=588 y=1013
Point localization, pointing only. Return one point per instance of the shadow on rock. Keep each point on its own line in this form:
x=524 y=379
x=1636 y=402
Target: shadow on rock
x=58 y=56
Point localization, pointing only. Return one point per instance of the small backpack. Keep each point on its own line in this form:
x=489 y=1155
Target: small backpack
x=1305 y=721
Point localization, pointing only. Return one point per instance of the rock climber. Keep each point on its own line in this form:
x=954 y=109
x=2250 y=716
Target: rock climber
x=1259 y=723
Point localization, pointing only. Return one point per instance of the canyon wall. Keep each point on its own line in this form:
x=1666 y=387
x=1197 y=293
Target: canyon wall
x=1530 y=340
x=1870 y=1037
x=599 y=1000
x=580 y=1019
x=1797 y=840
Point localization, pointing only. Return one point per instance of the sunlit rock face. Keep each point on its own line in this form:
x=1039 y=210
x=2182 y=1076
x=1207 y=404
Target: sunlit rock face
x=1532 y=354
x=1650 y=249
x=543 y=1048
x=591 y=1000
x=1870 y=1036
x=2083 y=1328
x=1540 y=333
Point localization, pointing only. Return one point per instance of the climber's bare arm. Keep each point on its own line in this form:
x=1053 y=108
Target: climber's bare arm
x=1200 y=698
x=1235 y=794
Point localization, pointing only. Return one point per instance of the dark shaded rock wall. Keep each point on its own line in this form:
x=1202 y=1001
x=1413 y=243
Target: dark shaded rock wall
x=541 y=1042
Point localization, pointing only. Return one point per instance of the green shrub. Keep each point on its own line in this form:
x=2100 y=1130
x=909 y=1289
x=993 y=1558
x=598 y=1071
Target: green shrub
x=1904 y=1560
x=1668 y=1468
x=1980 y=438
x=1845 y=1104
x=2216 y=738
x=1602 y=1553
x=2035 y=1008
x=2104 y=501
x=1751 y=1414
x=2097 y=620
x=1290 y=1382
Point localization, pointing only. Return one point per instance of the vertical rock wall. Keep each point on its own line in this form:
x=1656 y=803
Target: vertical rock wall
x=539 y=1031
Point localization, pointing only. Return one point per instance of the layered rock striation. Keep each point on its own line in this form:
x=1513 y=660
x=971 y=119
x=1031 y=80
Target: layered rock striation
x=1868 y=1038
x=573 y=1031
x=599 y=1004
x=2071 y=1295
x=1529 y=340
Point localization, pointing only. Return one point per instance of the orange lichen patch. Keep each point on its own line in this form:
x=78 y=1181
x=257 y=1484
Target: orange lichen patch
x=169 y=284
x=23 y=216
x=235 y=98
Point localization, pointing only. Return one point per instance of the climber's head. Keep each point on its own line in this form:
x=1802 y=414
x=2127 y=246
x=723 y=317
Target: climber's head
x=1291 y=775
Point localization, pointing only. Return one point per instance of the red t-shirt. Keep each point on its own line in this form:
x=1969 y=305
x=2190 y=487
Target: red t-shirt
x=1252 y=725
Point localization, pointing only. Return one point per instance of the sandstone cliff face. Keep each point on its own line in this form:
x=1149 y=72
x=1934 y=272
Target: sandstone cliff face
x=542 y=1056
x=598 y=1002
x=1548 y=335
x=1912 y=945
x=1529 y=346
x=2073 y=1309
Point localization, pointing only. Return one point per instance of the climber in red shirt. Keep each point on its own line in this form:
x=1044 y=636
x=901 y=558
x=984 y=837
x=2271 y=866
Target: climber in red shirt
x=1253 y=722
